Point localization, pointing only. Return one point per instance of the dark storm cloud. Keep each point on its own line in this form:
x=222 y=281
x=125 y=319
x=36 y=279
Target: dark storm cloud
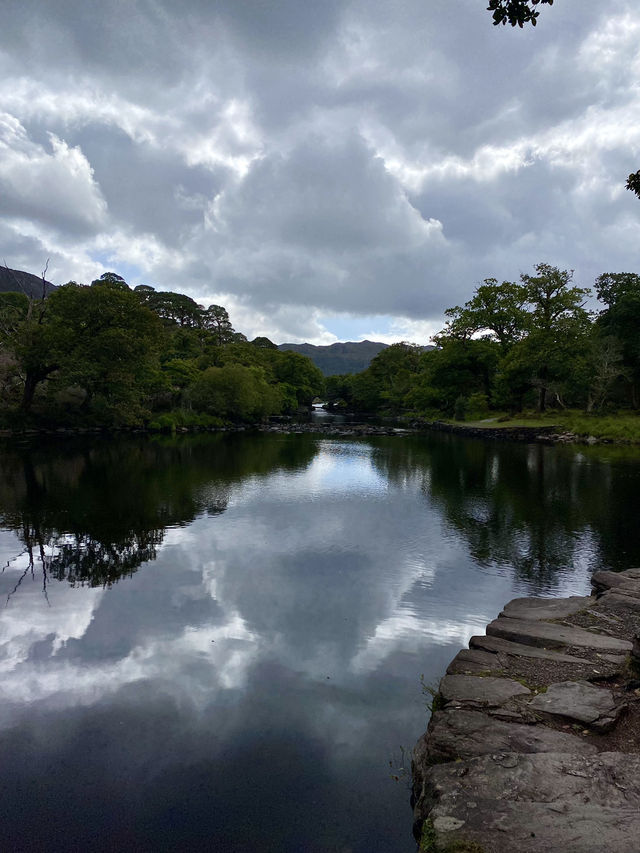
x=296 y=160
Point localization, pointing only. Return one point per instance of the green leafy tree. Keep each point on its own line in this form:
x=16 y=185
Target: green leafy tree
x=28 y=339
x=338 y=390
x=458 y=369
x=216 y=320
x=496 y=311
x=112 y=280
x=299 y=375
x=263 y=343
x=620 y=292
x=235 y=392
x=558 y=330
x=106 y=345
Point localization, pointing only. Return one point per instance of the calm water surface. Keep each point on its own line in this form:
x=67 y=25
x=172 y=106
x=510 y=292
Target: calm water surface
x=216 y=642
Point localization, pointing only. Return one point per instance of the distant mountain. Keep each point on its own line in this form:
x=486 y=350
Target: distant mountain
x=18 y=281
x=350 y=357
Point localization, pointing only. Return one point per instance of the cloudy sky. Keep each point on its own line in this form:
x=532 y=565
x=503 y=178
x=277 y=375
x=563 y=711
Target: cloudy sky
x=326 y=170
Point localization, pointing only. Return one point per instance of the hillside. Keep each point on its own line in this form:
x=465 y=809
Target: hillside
x=349 y=357
x=18 y=281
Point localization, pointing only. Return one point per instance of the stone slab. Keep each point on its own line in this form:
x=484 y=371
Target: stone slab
x=547 y=608
x=458 y=733
x=474 y=690
x=500 y=646
x=536 y=633
x=470 y=661
x=609 y=580
x=534 y=803
x=580 y=702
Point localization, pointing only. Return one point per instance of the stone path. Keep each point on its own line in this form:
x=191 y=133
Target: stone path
x=535 y=743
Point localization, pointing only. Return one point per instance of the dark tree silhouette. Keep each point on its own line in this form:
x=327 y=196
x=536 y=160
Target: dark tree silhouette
x=515 y=12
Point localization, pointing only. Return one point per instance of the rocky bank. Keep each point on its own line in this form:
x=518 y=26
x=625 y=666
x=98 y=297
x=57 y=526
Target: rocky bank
x=534 y=741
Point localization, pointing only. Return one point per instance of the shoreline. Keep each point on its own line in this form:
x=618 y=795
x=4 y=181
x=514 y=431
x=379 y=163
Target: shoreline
x=534 y=740
x=543 y=435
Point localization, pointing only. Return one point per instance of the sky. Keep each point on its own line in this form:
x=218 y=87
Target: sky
x=334 y=170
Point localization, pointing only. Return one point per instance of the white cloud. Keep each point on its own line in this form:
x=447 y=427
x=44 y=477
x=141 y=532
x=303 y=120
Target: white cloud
x=55 y=187
x=303 y=160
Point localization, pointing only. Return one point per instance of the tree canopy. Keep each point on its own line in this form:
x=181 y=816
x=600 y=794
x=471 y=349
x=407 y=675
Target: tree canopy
x=515 y=345
x=111 y=356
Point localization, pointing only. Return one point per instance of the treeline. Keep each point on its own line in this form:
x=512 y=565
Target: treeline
x=109 y=355
x=526 y=345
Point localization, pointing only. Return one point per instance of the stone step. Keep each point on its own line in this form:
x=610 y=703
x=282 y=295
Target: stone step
x=547 y=608
x=473 y=690
x=498 y=645
x=539 y=802
x=580 y=702
x=545 y=634
x=470 y=661
x=458 y=733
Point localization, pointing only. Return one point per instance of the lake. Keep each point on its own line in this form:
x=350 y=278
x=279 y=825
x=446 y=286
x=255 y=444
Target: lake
x=216 y=642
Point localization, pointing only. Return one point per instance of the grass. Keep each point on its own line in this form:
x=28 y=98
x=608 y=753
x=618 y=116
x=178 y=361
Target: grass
x=623 y=427
x=437 y=700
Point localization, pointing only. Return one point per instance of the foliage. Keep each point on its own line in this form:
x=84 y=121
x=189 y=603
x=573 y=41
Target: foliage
x=513 y=346
x=234 y=392
x=110 y=356
x=515 y=12
x=633 y=183
x=620 y=293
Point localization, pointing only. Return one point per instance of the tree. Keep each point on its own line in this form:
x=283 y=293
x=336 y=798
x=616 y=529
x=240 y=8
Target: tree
x=621 y=319
x=298 y=374
x=216 y=320
x=633 y=183
x=558 y=328
x=236 y=392
x=515 y=12
x=111 y=279
x=106 y=345
x=263 y=343
x=497 y=310
x=27 y=337
x=606 y=366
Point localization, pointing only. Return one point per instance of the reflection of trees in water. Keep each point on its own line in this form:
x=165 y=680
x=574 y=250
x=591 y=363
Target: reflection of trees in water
x=532 y=507
x=91 y=512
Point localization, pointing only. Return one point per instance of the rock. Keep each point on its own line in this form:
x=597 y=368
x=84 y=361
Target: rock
x=546 y=608
x=605 y=580
x=473 y=690
x=500 y=646
x=470 y=661
x=608 y=580
x=580 y=702
x=457 y=733
x=536 y=803
x=534 y=633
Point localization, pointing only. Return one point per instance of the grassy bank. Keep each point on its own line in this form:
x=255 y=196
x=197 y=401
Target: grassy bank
x=612 y=427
